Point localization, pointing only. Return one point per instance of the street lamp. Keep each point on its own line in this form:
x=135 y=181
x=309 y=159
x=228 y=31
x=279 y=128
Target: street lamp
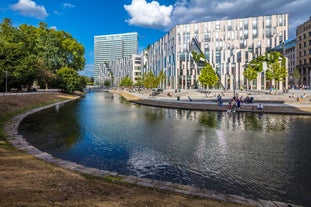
x=6 y=81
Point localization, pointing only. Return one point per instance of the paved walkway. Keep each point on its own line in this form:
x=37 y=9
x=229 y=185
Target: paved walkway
x=277 y=103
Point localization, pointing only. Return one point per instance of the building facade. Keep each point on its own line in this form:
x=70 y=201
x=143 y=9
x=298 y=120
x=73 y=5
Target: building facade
x=130 y=66
x=288 y=49
x=228 y=46
x=108 y=48
x=303 y=53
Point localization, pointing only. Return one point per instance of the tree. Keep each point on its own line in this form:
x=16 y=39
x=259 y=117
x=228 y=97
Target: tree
x=277 y=72
x=250 y=73
x=126 y=81
x=139 y=82
x=208 y=76
x=150 y=80
x=69 y=80
x=276 y=67
x=296 y=76
x=29 y=54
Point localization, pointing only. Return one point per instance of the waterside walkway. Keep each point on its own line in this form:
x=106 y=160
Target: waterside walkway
x=278 y=103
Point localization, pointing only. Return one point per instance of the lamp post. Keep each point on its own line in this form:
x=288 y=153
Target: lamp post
x=6 y=81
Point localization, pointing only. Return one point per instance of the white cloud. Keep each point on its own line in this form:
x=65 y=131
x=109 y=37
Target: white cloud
x=30 y=8
x=151 y=15
x=53 y=27
x=68 y=5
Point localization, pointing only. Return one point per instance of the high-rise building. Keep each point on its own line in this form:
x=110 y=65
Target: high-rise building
x=303 y=52
x=108 y=48
x=228 y=46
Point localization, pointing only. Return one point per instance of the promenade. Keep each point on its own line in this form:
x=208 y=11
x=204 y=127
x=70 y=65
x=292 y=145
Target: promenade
x=277 y=103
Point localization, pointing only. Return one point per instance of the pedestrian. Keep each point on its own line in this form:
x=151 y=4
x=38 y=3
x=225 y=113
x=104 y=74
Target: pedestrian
x=220 y=102
x=238 y=103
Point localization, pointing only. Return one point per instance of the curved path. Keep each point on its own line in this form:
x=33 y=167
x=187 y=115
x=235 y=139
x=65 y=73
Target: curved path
x=11 y=129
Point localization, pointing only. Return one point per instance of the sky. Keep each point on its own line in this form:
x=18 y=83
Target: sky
x=84 y=19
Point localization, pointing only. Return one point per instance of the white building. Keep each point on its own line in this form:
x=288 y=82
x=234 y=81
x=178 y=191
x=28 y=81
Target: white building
x=127 y=66
x=228 y=46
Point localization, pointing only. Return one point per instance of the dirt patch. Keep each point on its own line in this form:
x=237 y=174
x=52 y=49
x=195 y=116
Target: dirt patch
x=28 y=181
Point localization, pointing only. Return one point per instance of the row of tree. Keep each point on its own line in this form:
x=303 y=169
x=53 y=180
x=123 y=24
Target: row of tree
x=149 y=80
x=48 y=57
x=275 y=64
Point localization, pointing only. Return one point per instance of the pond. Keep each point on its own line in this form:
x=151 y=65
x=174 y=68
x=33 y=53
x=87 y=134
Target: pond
x=252 y=155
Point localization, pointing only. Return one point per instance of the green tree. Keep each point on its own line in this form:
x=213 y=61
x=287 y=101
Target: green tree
x=139 y=82
x=28 y=53
x=250 y=74
x=150 y=80
x=208 y=76
x=277 y=72
x=69 y=80
x=107 y=83
x=296 y=76
x=126 y=81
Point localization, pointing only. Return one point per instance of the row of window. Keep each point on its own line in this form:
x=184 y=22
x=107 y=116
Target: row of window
x=304 y=36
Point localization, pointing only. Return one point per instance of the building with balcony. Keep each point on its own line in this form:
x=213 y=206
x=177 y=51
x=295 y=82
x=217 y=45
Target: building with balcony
x=228 y=46
x=108 y=48
x=303 y=52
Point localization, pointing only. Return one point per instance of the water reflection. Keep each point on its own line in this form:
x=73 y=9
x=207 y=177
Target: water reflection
x=254 y=155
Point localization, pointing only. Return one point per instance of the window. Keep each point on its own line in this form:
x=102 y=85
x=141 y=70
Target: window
x=255 y=33
x=229 y=27
x=254 y=23
x=268 y=21
x=281 y=20
x=217 y=27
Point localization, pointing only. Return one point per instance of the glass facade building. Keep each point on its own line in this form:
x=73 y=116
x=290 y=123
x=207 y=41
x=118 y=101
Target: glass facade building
x=108 y=48
x=228 y=46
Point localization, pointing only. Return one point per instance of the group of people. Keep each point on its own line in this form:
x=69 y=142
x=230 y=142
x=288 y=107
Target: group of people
x=236 y=102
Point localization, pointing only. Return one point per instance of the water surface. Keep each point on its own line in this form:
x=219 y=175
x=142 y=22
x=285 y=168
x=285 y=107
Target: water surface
x=256 y=156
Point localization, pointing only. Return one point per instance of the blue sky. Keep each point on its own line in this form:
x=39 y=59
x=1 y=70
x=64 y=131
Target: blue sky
x=151 y=19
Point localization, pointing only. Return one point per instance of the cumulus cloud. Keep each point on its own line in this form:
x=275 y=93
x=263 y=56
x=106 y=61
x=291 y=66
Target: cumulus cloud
x=189 y=11
x=152 y=15
x=30 y=8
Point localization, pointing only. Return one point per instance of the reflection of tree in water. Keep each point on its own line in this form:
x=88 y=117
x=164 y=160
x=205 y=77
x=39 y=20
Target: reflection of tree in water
x=260 y=122
x=58 y=132
x=209 y=119
x=154 y=115
x=252 y=122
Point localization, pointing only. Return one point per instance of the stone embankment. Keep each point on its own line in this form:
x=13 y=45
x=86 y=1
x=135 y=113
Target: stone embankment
x=273 y=104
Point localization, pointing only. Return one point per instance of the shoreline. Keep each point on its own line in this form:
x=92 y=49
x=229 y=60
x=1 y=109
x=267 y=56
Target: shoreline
x=11 y=129
x=274 y=106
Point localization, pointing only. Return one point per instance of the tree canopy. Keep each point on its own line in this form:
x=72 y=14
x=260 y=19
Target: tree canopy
x=29 y=54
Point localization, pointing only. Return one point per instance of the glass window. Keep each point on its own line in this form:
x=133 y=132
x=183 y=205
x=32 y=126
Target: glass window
x=245 y=34
x=217 y=27
x=245 y=22
x=280 y=20
x=255 y=33
x=254 y=23
x=268 y=21
x=229 y=27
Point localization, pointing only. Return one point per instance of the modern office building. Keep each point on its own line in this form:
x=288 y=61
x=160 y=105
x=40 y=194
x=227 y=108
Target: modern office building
x=108 y=48
x=303 y=52
x=228 y=46
x=129 y=66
